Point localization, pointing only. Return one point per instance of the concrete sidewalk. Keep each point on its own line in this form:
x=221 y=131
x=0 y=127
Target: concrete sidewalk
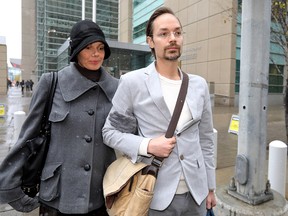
x=227 y=143
x=226 y=148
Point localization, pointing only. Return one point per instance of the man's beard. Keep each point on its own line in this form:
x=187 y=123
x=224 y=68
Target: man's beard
x=173 y=56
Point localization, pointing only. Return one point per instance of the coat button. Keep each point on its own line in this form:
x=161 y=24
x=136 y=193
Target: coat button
x=90 y=112
x=181 y=157
x=88 y=138
x=87 y=167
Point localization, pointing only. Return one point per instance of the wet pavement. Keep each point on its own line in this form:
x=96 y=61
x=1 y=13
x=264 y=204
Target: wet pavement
x=226 y=147
x=13 y=102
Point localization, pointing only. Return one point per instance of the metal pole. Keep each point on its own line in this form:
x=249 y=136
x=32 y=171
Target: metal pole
x=94 y=11
x=83 y=9
x=249 y=183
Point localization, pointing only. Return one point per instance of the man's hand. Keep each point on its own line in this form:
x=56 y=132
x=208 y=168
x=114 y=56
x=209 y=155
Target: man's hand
x=161 y=146
x=25 y=204
x=211 y=200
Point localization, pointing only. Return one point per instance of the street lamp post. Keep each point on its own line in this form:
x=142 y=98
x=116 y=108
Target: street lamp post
x=250 y=184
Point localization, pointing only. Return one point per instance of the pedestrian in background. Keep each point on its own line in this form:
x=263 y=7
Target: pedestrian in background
x=22 y=84
x=27 y=85
x=186 y=180
x=31 y=85
x=71 y=181
x=9 y=84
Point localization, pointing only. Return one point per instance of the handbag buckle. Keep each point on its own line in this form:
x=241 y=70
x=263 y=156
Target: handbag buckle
x=31 y=191
x=150 y=170
x=153 y=168
x=157 y=162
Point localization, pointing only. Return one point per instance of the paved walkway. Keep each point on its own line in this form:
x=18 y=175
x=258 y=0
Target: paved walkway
x=226 y=148
x=13 y=101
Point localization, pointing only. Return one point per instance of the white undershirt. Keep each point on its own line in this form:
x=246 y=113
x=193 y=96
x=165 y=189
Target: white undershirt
x=170 y=91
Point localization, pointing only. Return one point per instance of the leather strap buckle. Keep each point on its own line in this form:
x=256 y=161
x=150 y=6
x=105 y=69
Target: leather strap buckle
x=157 y=162
x=150 y=170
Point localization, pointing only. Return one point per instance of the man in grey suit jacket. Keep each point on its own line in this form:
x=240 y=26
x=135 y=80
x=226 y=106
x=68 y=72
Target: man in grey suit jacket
x=186 y=179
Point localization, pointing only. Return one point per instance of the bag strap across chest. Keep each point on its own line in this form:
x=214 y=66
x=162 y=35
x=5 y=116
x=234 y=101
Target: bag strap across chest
x=157 y=161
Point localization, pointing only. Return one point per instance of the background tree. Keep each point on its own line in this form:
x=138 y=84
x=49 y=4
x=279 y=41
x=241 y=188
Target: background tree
x=279 y=34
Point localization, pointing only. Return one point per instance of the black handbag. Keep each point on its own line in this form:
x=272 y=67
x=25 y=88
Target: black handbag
x=38 y=148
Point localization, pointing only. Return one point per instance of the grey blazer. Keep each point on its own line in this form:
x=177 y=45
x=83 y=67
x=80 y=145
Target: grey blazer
x=139 y=94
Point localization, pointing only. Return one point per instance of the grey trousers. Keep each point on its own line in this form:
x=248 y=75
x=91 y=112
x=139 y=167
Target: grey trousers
x=182 y=205
x=48 y=211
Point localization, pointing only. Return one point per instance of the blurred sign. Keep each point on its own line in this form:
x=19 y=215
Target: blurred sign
x=2 y=110
x=234 y=125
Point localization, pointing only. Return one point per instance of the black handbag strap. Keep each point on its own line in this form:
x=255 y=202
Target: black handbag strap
x=49 y=102
x=157 y=161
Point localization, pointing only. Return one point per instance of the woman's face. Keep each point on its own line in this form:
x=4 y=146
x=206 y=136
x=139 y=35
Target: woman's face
x=92 y=56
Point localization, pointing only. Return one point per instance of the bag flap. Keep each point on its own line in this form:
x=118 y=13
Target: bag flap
x=118 y=173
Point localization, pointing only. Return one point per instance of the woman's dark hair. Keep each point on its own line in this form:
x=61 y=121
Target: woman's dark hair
x=149 y=27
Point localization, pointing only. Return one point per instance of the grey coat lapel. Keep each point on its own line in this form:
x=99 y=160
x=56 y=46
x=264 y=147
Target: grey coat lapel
x=71 y=87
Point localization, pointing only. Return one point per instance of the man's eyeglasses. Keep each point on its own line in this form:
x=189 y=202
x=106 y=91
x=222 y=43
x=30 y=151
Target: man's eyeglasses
x=165 y=35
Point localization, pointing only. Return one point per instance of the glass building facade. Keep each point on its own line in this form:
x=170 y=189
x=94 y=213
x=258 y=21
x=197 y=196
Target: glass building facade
x=54 y=20
x=124 y=57
x=142 y=10
x=210 y=40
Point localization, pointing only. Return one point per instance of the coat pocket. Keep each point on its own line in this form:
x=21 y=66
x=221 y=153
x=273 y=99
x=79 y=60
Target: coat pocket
x=50 y=182
x=197 y=162
x=59 y=111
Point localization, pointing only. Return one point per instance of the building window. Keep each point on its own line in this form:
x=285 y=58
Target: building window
x=237 y=77
x=137 y=2
x=139 y=30
x=275 y=78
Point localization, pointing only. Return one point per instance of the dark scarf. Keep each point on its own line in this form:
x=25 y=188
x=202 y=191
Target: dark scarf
x=93 y=75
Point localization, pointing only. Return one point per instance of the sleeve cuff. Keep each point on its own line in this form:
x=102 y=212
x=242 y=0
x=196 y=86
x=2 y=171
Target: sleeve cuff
x=143 y=147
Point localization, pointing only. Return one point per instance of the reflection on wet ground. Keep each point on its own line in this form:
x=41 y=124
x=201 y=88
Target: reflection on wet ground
x=227 y=142
x=13 y=101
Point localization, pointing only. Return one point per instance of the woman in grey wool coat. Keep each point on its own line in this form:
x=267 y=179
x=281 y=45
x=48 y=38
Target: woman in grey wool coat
x=71 y=180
